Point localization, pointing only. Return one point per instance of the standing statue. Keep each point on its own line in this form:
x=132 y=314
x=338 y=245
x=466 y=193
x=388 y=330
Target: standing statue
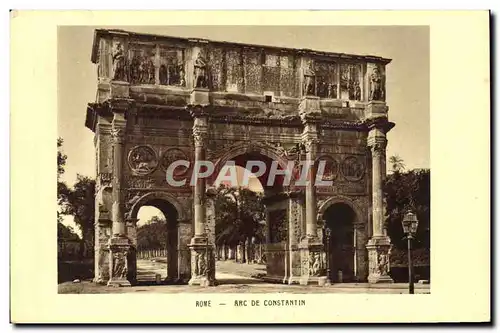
x=309 y=76
x=200 y=72
x=118 y=63
x=357 y=92
x=376 y=93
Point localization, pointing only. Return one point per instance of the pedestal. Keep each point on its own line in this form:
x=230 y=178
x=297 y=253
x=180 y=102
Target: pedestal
x=379 y=250
x=313 y=268
x=119 y=89
x=119 y=247
x=200 y=96
x=202 y=262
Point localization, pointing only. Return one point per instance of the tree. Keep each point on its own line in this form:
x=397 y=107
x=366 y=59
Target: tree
x=66 y=233
x=62 y=188
x=239 y=215
x=403 y=191
x=153 y=234
x=79 y=202
x=397 y=164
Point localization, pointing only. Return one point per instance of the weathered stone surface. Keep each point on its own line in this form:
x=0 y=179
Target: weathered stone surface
x=161 y=99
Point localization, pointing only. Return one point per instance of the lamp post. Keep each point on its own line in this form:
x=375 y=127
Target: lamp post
x=327 y=232
x=410 y=224
x=207 y=259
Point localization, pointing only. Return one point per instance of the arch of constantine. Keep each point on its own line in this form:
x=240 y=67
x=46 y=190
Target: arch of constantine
x=162 y=99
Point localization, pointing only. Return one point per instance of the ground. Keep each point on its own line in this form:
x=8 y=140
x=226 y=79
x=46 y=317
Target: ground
x=232 y=278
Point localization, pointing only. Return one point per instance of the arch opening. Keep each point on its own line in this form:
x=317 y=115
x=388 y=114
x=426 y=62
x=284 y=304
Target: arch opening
x=339 y=240
x=156 y=240
x=257 y=224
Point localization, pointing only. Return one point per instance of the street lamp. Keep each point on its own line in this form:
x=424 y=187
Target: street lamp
x=207 y=259
x=328 y=231
x=410 y=224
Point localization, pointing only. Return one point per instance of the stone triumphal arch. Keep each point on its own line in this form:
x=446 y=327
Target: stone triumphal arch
x=162 y=99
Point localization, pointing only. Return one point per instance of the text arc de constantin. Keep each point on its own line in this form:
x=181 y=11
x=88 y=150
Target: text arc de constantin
x=161 y=99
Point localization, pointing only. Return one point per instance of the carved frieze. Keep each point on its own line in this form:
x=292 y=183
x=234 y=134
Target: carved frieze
x=139 y=182
x=131 y=198
x=216 y=69
x=119 y=265
x=353 y=168
x=142 y=160
x=217 y=149
x=326 y=79
x=350 y=76
x=314 y=263
x=172 y=155
x=142 y=68
x=105 y=179
x=331 y=167
x=171 y=71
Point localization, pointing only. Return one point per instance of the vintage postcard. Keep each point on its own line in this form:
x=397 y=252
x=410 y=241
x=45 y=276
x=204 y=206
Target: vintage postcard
x=249 y=167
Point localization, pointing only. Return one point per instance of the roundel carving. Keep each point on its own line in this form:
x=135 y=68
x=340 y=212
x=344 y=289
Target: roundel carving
x=142 y=160
x=353 y=168
x=331 y=168
x=171 y=155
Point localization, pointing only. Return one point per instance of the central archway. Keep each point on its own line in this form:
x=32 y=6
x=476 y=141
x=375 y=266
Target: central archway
x=276 y=210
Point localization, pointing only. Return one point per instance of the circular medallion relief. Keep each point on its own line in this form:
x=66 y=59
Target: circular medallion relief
x=353 y=168
x=142 y=160
x=172 y=155
x=330 y=168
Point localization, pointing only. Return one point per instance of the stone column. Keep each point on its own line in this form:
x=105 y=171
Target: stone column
x=119 y=243
x=311 y=246
x=202 y=252
x=379 y=245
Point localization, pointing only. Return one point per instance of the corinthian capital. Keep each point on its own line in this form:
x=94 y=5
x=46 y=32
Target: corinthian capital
x=118 y=134
x=378 y=148
x=199 y=135
x=310 y=144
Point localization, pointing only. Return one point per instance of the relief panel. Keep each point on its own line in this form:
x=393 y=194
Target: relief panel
x=271 y=74
x=171 y=71
x=141 y=64
x=216 y=69
x=234 y=71
x=253 y=71
x=288 y=76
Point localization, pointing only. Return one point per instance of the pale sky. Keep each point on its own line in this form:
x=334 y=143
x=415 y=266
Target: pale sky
x=407 y=81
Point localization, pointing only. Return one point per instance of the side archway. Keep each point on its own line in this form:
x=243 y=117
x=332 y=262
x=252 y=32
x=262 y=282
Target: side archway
x=340 y=199
x=178 y=233
x=182 y=213
x=347 y=237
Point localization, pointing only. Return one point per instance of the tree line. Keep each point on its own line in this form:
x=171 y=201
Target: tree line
x=240 y=212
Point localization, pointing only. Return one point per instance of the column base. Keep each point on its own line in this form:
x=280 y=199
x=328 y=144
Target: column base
x=202 y=262
x=200 y=96
x=119 y=247
x=313 y=262
x=379 y=251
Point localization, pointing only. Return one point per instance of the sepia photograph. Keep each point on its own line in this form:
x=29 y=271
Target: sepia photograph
x=248 y=159
x=239 y=167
